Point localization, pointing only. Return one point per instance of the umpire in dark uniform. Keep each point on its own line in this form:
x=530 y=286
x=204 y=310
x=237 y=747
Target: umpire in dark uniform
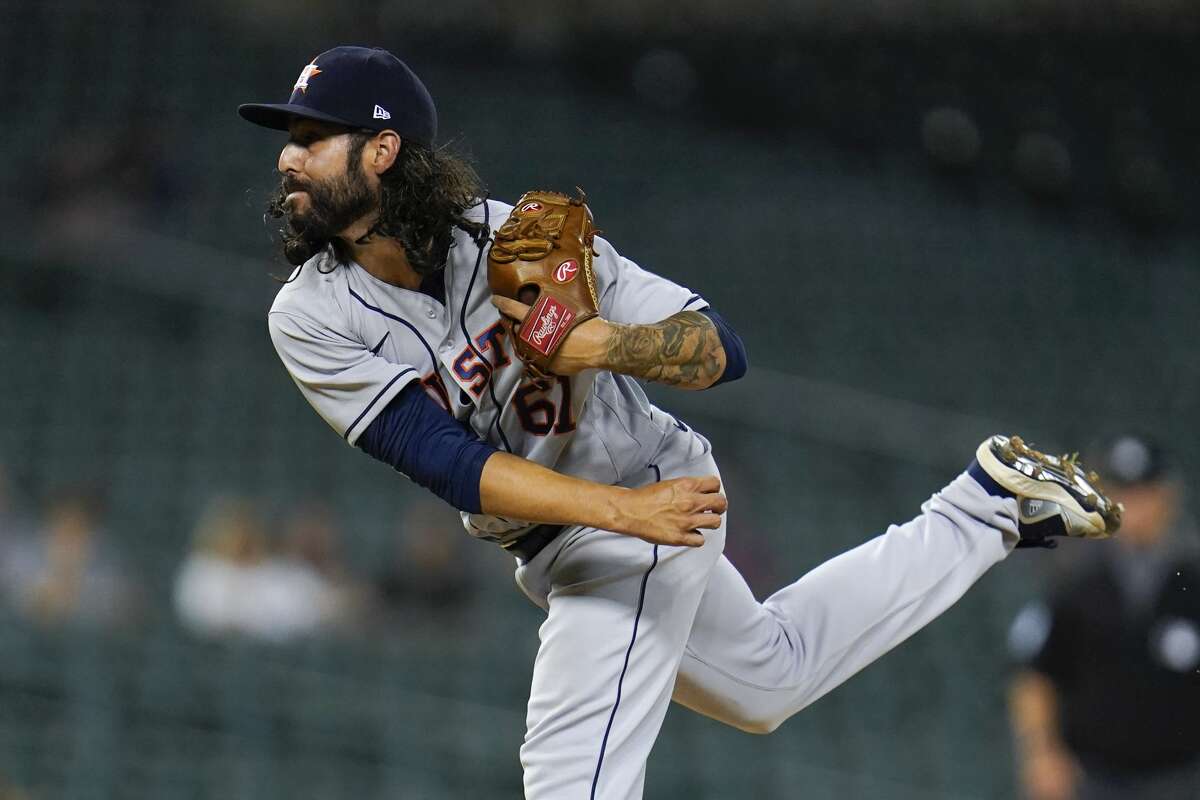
x=1107 y=703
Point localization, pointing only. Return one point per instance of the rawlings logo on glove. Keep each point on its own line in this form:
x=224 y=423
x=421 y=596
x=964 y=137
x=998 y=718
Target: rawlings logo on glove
x=547 y=325
x=536 y=257
x=566 y=271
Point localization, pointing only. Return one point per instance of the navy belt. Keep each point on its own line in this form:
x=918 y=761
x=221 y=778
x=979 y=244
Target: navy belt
x=528 y=546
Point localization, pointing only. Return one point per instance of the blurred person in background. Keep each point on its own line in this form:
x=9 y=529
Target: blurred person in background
x=117 y=178
x=68 y=570
x=231 y=582
x=426 y=574
x=9 y=791
x=1107 y=704
x=312 y=550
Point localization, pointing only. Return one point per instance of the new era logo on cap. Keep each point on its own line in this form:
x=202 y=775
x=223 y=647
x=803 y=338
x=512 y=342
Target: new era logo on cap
x=381 y=113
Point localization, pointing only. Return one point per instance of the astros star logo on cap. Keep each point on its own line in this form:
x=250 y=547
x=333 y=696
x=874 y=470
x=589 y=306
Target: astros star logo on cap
x=305 y=74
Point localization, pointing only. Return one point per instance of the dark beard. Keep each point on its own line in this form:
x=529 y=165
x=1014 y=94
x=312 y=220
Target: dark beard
x=421 y=200
x=334 y=205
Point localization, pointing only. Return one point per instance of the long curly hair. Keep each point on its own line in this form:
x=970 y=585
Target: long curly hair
x=423 y=197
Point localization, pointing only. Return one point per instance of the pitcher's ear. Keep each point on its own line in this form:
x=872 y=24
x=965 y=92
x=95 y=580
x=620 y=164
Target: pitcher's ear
x=383 y=151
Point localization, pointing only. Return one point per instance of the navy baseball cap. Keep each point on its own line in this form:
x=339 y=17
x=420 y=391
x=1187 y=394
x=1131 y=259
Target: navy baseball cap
x=360 y=87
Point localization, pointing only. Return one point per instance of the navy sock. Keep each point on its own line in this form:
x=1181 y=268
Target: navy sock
x=987 y=481
x=1035 y=534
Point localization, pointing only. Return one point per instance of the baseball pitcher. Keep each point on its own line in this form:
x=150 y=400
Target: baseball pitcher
x=494 y=354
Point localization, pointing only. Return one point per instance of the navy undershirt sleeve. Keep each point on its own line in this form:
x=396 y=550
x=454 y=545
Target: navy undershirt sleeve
x=417 y=437
x=736 y=363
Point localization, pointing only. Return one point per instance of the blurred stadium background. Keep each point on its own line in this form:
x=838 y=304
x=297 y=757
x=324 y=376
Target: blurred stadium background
x=929 y=221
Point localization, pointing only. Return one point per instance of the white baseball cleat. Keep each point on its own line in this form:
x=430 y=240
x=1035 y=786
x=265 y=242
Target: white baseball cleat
x=1055 y=495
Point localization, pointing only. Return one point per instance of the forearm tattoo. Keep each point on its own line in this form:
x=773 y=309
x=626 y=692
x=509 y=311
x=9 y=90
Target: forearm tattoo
x=683 y=350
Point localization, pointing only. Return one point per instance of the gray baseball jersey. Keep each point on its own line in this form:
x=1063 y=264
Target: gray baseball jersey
x=351 y=342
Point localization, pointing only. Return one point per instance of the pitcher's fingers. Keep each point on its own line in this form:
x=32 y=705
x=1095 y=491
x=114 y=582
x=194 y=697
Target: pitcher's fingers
x=705 y=521
x=704 y=484
x=513 y=309
x=678 y=537
x=714 y=503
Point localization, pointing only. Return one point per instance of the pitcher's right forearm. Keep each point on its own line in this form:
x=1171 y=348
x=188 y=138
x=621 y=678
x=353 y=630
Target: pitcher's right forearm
x=516 y=488
x=670 y=512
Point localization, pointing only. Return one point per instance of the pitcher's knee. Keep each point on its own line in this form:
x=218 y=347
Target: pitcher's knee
x=761 y=726
x=759 y=722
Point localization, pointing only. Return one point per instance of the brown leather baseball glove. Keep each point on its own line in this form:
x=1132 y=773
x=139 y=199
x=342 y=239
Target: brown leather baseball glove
x=542 y=256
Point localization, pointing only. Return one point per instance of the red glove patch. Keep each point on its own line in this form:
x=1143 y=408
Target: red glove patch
x=546 y=324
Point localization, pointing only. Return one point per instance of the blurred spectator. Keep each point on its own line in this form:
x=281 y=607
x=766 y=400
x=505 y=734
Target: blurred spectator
x=1108 y=703
x=232 y=583
x=429 y=573
x=313 y=545
x=115 y=178
x=68 y=571
x=9 y=791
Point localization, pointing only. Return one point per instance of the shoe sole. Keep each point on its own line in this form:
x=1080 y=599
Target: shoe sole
x=1028 y=473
